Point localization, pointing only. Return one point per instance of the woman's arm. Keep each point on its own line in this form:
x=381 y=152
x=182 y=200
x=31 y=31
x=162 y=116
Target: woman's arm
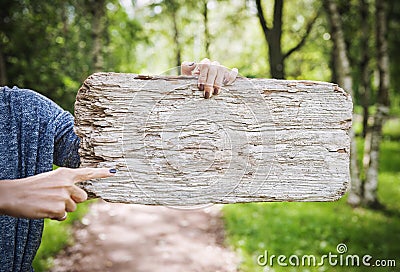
x=47 y=195
x=66 y=142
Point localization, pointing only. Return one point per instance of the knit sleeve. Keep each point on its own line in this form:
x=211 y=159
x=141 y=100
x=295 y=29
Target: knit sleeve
x=66 y=143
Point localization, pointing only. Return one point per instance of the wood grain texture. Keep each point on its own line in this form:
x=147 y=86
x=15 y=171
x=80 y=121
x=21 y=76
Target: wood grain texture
x=259 y=140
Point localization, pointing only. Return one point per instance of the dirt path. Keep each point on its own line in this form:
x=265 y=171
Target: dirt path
x=118 y=237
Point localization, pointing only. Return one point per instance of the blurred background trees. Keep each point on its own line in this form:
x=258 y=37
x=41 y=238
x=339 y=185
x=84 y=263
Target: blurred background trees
x=52 y=46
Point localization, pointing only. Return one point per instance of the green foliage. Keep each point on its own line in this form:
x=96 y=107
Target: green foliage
x=47 y=46
x=394 y=45
x=123 y=35
x=33 y=62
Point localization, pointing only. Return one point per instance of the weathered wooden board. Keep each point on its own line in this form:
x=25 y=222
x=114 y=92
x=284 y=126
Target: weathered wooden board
x=259 y=140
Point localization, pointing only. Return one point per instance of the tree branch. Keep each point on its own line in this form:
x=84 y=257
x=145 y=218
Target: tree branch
x=263 y=22
x=304 y=38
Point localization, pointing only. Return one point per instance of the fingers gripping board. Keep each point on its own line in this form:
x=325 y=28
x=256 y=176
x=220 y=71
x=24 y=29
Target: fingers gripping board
x=259 y=140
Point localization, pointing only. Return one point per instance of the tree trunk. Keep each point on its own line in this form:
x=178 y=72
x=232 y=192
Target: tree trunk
x=275 y=43
x=364 y=64
x=365 y=85
x=276 y=60
x=98 y=11
x=273 y=38
x=343 y=74
x=171 y=149
x=178 y=60
x=206 y=30
x=3 y=72
x=371 y=182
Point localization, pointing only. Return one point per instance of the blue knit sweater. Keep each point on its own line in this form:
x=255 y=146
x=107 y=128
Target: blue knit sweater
x=35 y=133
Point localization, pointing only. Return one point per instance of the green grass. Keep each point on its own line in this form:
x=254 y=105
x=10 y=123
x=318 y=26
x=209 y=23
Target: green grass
x=317 y=228
x=56 y=236
x=309 y=228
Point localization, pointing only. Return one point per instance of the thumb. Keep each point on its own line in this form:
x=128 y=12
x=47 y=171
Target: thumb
x=82 y=174
x=187 y=67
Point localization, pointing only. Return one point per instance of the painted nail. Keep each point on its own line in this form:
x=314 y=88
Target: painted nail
x=113 y=171
x=215 y=91
x=207 y=95
x=201 y=87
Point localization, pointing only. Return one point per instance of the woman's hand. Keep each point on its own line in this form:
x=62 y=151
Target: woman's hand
x=212 y=75
x=47 y=195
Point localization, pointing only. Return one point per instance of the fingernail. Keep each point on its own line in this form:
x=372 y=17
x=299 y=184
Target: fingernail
x=113 y=171
x=207 y=95
x=201 y=87
x=215 y=91
x=191 y=64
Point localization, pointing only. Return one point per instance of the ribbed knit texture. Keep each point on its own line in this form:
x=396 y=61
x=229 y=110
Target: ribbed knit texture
x=35 y=133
